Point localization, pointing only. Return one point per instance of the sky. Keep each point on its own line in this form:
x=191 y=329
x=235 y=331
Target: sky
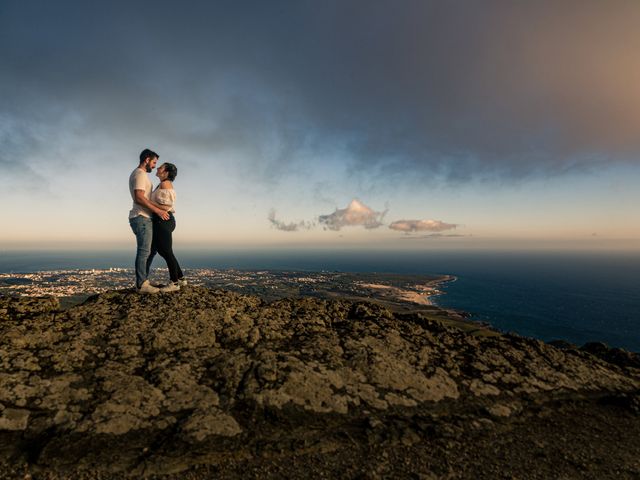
x=405 y=125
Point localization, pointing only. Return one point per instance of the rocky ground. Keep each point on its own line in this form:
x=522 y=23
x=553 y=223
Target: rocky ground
x=211 y=384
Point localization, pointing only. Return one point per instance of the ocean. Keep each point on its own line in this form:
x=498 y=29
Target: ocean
x=574 y=296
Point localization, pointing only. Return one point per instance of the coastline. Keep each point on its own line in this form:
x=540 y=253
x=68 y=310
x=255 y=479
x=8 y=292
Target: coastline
x=418 y=294
x=402 y=293
x=73 y=284
x=581 y=297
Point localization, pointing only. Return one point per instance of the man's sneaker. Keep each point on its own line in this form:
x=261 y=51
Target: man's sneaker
x=182 y=282
x=172 y=287
x=146 y=287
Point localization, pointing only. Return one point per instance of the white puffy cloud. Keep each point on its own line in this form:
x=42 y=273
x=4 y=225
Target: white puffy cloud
x=412 y=226
x=356 y=214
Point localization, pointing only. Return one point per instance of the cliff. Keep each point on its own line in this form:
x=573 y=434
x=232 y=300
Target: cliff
x=208 y=383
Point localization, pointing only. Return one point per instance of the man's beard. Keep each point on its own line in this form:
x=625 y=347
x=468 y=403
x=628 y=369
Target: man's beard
x=149 y=168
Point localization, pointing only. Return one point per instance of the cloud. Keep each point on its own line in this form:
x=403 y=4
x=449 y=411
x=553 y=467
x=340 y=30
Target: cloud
x=434 y=235
x=288 y=227
x=411 y=226
x=356 y=214
x=17 y=167
x=433 y=92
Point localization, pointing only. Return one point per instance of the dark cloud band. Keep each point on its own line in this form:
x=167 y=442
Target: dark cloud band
x=412 y=91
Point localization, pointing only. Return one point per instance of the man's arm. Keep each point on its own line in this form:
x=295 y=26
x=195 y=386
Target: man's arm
x=142 y=200
x=161 y=206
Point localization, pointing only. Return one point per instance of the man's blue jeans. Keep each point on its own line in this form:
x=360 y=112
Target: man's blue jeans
x=143 y=229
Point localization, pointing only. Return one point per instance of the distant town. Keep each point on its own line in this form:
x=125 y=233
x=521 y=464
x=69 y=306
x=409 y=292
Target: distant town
x=76 y=285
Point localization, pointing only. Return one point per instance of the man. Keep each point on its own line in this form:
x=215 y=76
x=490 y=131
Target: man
x=140 y=216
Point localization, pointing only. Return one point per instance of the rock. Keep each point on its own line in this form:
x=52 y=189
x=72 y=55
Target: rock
x=22 y=307
x=562 y=344
x=14 y=419
x=211 y=422
x=617 y=356
x=480 y=388
x=499 y=410
x=205 y=373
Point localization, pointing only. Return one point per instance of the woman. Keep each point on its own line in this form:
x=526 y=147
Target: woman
x=164 y=197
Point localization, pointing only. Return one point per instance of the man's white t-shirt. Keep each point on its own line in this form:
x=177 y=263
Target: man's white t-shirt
x=139 y=180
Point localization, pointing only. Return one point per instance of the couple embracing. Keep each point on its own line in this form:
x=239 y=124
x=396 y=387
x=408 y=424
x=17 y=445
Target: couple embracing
x=152 y=221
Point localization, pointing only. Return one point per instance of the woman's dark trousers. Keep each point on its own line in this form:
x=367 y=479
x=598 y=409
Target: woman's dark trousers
x=163 y=245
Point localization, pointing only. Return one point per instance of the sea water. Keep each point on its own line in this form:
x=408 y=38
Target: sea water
x=573 y=296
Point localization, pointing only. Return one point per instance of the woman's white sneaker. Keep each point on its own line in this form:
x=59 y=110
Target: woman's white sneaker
x=172 y=287
x=182 y=282
x=146 y=287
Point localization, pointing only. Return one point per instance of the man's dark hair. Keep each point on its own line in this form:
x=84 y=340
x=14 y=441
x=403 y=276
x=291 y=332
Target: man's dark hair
x=146 y=153
x=172 y=171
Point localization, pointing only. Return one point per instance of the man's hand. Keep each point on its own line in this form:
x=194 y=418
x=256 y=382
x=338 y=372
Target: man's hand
x=163 y=214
